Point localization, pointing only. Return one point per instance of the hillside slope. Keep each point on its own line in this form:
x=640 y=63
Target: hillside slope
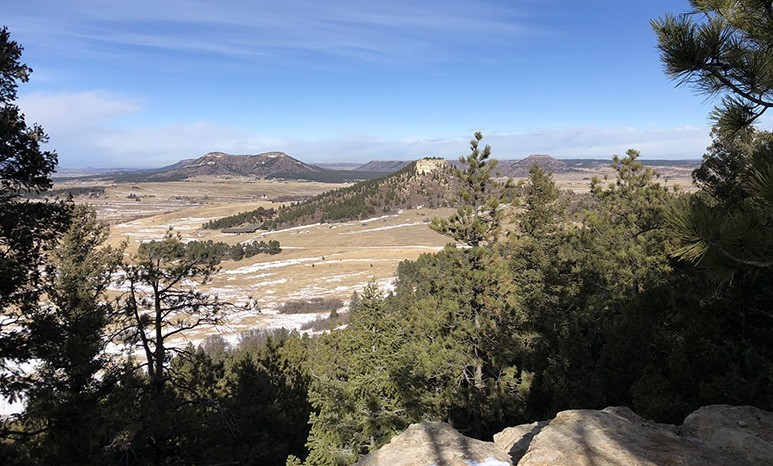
x=426 y=182
x=384 y=166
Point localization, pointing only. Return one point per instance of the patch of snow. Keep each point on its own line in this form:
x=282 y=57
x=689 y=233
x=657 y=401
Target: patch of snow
x=8 y=407
x=292 y=229
x=388 y=227
x=269 y=265
x=338 y=278
x=270 y=282
x=487 y=462
x=377 y=218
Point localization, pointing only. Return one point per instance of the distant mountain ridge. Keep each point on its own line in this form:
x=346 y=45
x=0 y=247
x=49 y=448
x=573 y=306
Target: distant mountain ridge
x=269 y=165
x=520 y=168
x=264 y=165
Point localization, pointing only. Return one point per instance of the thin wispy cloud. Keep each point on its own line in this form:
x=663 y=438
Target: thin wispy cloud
x=398 y=30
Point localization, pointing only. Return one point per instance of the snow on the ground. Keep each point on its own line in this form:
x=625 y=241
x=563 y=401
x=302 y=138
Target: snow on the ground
x=290 y=229
x=270 y=282
x=341 y=261
x=8 y=407
x=341 y=277
x=388 y=227
x=487 y=462
x=269 y=265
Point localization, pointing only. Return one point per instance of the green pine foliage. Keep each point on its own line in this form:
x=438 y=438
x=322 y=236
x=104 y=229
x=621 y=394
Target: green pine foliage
x=722 y=50
x=357 y=401
x=27 y=229
x=478 y=219
x=464 y=361
x=583 y=282
x=67 y=334
x=248 y=404
x=218 y=251
x=256 y=216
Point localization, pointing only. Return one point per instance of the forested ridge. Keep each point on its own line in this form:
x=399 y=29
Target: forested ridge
x=649 y=298
x=403 y=189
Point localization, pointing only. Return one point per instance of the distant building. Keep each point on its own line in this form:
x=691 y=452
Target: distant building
x=242 y=229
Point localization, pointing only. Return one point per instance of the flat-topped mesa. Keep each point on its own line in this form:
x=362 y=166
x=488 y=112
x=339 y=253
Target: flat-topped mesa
x=273 y=164
x=429 y=165
x=520 y=168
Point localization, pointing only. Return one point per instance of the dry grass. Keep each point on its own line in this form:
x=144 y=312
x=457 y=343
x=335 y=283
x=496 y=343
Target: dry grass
x=317 y=261
x=219 y=193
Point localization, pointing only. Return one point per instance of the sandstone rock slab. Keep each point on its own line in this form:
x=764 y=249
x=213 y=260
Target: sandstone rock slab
x=744 y=431
x=618 y=437
x=435 y=443
x=516 y=440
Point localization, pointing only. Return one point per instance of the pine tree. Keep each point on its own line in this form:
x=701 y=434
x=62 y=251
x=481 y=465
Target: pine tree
x=463 y=360
x=724 y=50
x=357 y=402
x=160 y=304
x=478 y=219
x=27 y=229
x=540 y=269
x=69 y=336
x=602 y=270
x=483 y=315
x=542 y=212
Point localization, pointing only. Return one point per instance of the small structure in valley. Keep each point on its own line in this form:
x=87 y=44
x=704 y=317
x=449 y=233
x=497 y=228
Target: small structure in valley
x=242 y=229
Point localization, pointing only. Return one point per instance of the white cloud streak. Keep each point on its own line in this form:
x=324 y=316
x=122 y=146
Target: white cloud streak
x=85 y=128
x=69 y=110
x=399 y=30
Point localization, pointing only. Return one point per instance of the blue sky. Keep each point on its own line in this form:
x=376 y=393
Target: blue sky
x=147 y=83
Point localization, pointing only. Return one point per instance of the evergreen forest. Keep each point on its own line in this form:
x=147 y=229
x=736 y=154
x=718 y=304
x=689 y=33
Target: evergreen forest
x=644 y=297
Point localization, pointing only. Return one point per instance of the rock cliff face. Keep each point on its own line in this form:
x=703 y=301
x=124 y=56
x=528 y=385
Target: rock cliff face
x=712 y=436
x=425 y=166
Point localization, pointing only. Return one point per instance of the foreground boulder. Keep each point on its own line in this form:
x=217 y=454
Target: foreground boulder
x=436 y=443
x=516 y=440
x=715 y=435
x=744 y=431
x=617 y=437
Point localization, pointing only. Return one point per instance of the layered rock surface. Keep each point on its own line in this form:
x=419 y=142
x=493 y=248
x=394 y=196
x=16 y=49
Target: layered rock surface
x=712 y=436
x=436 y=443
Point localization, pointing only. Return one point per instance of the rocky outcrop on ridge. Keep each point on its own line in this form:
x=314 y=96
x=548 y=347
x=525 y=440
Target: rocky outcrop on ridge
x=712 y=436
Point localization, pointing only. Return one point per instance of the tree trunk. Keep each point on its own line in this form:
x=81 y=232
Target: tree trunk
x=478 y=396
